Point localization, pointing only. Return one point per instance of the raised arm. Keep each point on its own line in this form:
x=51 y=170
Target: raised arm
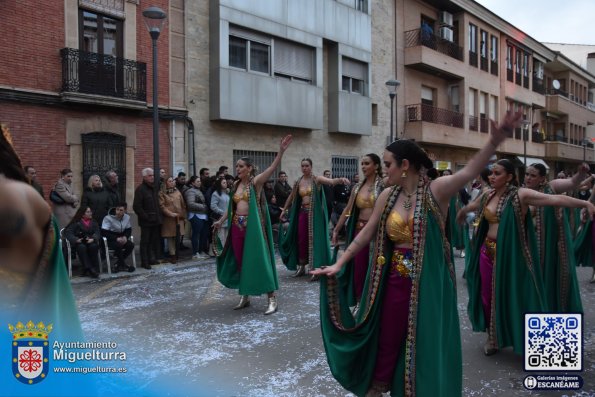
x=447 y=186
x=532 y=197
x=472 y=206
x=363 y=238
x=264 y=176
x=568 y=184
x=332 y=181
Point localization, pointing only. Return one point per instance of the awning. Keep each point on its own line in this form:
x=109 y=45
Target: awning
x=533 y=160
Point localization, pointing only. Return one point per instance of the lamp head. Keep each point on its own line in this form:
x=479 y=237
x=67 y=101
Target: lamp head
x=154 y=18
x=392 y=85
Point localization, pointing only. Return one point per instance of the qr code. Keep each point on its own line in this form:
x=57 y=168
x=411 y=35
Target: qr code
x=553 y=342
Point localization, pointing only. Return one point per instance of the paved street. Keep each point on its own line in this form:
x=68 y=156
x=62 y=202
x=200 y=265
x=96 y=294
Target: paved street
x=177 y=327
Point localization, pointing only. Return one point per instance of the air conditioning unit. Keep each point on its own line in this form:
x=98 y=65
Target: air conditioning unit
x=446 y=33
x=446 y=18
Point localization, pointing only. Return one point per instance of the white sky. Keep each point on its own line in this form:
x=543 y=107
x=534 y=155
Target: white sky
x=551 y=21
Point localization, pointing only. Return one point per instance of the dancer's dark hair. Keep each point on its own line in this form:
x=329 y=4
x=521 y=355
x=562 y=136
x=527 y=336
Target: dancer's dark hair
x=404 y=149
x=510 y=170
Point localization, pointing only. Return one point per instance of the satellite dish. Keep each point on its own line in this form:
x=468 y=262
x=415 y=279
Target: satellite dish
x=556 y=84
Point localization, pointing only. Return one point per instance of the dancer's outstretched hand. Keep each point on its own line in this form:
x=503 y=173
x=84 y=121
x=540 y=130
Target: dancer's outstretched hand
x=285 y=142
x=326 y=270
x=510 y=122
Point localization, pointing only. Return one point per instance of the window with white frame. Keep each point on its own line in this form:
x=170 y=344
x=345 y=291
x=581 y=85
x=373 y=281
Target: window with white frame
x=354 y=76
x=293 y=61
x=249 y=50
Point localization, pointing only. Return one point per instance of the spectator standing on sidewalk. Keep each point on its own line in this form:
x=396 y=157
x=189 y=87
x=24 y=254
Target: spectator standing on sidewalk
x=197 y=215
x=32 y=175
x=173 y=207
x=64 y=210
x=146 y=207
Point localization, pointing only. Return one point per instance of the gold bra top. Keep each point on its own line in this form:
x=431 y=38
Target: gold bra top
x=398 y=231
x=490 y=216
x=362 y=202
x=305 y=192
x=239 y=197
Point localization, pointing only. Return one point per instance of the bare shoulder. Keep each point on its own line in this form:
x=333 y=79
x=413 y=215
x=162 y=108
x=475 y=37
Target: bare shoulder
x=21 y=206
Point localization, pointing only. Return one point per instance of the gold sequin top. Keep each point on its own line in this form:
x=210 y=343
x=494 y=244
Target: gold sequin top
x=239 y=197
x=365 y=202
x=398 y=231
x=490 y=216
x=305 y=192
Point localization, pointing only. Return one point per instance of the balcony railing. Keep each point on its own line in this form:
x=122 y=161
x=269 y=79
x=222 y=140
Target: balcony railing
x=416 y=37
x=92 y=73
x=422 y=112
x=556 y=138
x=473 y=123
x=557 y=92
x=537 y=137
x=538 y=86
x=483 y=125
x=494 y=68
x=473 y=58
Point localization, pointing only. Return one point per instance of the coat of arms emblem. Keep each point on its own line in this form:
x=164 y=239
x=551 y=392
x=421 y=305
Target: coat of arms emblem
x=30 y=351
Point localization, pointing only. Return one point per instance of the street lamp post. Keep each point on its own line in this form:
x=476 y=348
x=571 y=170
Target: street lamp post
x=154 y=18
x=585 y=142
x=392 y=85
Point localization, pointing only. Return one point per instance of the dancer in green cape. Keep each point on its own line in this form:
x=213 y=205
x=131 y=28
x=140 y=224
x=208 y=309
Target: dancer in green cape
x=35 y=292
x=584 y=241
x=554 y=241
x=405 y=337
x=305 y=241
x=247 y=262
x=504 y=277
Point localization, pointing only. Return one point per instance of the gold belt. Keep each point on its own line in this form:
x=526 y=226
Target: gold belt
x=402 y=261
x=490 y=247
x=240 y=220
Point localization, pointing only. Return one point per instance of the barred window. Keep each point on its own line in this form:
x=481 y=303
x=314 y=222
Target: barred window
x=344 y=166
x=261 y=159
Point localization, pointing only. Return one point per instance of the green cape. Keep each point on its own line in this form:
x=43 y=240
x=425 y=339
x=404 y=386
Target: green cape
x=557 y=260
x=259 y=273
x=433 y=343
x=518 y=281
x=582 y=245
x=319 y=244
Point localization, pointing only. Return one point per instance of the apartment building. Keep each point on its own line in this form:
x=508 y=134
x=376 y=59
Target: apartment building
x=76 y=83
x=260 y=70
x=462 y=65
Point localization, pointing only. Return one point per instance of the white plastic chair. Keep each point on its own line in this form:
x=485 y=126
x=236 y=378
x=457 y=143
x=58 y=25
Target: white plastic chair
x=109 y=252
x=69 y=254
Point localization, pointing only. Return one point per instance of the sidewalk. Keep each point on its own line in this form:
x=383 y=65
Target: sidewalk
x=184 y=262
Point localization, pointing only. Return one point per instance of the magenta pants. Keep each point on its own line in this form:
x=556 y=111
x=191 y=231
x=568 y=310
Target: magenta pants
x=360 y=269
x=486 y=270
x=303 y=236
x=238 y=236
x=393 y=325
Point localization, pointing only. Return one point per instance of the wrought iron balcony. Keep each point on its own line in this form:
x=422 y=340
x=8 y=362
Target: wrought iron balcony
x=97 y=74
x=416 y=37
x=423 y=112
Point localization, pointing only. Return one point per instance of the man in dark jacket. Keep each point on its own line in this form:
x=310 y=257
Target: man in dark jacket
x=146 y=207
x=111 y=186
x=282 y=189
x=116 y=228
